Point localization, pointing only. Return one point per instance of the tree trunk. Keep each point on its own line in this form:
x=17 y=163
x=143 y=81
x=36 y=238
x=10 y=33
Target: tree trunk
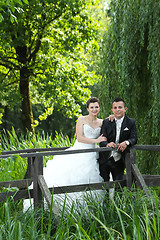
x=27 y=115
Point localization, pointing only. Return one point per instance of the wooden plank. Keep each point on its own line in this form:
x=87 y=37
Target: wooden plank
x=59 y=151
x=21 y=194
x=139 y=178
x=155 y=148
x=128 y=170
x=88 y=187
x=24 y=183
x=29 y=172
x=30 y=150
x=25 y=194
x=39 y=154
x=152 y=180
x=130 y=158
x=47 y=194
x=38 y=170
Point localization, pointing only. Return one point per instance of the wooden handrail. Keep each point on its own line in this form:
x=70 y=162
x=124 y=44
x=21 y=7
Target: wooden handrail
x=33 y=152
x=30 y=150
x=59 y=152
x=155 y=148
x=35 y=160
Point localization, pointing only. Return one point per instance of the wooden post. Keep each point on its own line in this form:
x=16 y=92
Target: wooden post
x=130 y=158
x=29 y=172
x=47 y=194
x=38 y=170
x=140 y=180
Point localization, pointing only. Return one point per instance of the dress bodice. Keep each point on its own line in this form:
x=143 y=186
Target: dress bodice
x=90 y=132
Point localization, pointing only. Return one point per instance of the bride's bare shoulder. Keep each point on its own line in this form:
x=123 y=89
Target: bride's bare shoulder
x=82 y=119
x=100 y=121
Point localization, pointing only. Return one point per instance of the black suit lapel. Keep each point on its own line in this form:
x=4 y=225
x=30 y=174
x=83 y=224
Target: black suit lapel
x=122 y=127
x=114 y=130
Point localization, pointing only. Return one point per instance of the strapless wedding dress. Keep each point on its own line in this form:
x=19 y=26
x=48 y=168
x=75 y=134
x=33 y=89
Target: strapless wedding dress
x=73 y=169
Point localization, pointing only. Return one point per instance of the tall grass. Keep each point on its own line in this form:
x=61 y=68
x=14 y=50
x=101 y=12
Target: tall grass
x=11 y=141
x=126 y=215
x=15 y=167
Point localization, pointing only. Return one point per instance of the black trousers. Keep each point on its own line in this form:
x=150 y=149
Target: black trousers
x=110 y=166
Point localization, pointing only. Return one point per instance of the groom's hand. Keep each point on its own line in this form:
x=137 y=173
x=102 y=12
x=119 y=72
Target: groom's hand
x=122 y=146
x=111 y=144
x=111 y=117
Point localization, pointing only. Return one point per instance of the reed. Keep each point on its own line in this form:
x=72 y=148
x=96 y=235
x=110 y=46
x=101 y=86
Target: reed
x=15 y=166
x=97 y=215
x=125 y=215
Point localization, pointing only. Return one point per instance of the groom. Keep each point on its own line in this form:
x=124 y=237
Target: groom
x=120 y=134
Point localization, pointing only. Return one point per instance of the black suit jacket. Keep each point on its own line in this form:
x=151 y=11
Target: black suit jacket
x=128 y=132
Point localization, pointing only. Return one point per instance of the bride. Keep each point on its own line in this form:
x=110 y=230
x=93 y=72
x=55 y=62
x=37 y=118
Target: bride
x=79 y=168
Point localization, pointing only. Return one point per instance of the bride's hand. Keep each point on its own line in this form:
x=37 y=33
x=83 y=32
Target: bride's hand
x=101 y=138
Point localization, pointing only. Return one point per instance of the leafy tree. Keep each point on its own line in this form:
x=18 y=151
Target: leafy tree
x=44 y=55
x=131 y=60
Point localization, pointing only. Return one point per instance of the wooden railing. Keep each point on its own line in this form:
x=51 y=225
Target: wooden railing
x=34 y=174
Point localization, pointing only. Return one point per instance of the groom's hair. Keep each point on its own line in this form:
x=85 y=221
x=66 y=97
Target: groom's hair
x=118 y=99
x=92 y=100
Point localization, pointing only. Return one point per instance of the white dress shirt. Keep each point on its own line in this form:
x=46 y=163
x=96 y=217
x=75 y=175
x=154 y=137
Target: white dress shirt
x=116 y=154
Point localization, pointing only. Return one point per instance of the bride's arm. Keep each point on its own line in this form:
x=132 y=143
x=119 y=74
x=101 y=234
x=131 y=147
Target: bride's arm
x=82 y=138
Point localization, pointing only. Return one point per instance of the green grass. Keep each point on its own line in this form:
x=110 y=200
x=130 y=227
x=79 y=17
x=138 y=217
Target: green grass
x=15 y=167
x=126 y=215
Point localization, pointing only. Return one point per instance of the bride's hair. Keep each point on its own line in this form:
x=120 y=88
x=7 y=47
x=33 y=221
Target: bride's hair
x=92 y=100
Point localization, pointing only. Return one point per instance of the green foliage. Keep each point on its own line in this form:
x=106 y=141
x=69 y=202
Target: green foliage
x=125 y=215
x=14 y=168
x=132 y=68
x=12 y=8
x=44 y=55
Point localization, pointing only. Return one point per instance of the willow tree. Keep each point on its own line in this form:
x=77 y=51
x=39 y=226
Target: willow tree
x=131 y=67
x=43 y=55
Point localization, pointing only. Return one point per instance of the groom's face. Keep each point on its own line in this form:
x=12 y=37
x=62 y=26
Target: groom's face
x=118 y=109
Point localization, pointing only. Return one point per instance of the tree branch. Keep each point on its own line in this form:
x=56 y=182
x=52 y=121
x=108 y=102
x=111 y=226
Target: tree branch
x=38 y=42
x=8 y=64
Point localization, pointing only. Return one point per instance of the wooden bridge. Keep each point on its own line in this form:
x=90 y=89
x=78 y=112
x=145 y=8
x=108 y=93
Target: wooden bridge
x=40 y=189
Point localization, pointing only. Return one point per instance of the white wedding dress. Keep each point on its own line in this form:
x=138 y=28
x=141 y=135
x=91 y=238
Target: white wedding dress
x=74 y=169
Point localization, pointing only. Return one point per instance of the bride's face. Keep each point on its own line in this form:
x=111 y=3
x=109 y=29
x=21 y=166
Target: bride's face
x=93 y=108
